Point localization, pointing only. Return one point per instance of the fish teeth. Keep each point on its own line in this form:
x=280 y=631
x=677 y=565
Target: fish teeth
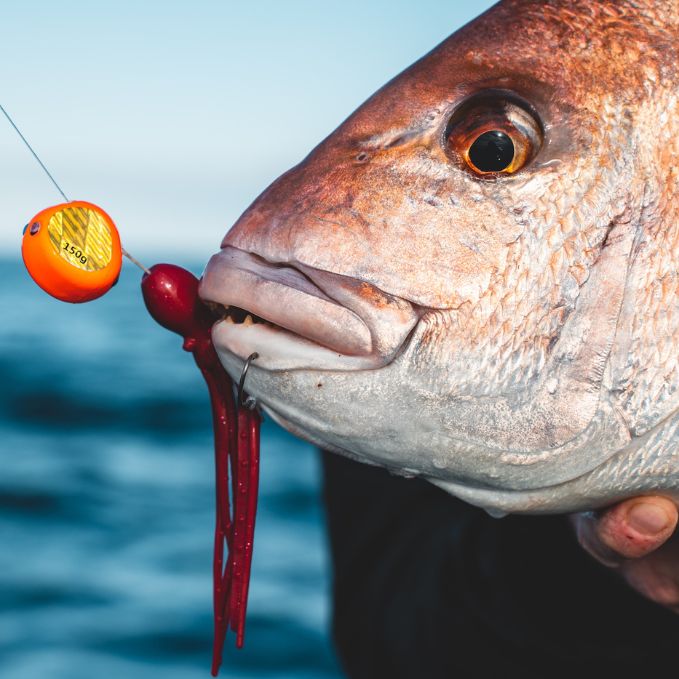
x=248 y=320
x=228 y=319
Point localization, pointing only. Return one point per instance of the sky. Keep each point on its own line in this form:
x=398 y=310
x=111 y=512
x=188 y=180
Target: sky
x=174 y=116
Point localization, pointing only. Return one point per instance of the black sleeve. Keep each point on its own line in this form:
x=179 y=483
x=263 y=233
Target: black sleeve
x=426 y=586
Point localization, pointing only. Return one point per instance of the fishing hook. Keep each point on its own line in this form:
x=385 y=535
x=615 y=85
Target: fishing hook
x=250 y=402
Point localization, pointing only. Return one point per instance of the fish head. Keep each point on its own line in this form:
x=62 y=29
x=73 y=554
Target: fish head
x=454 y=283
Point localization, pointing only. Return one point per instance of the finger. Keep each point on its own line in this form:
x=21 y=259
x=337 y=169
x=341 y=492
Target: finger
x=657 y=576
x=628 y=530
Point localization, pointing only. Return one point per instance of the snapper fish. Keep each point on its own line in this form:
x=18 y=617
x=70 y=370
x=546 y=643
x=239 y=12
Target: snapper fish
x=474 y=278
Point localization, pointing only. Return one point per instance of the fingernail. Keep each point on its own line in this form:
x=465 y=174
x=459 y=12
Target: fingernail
x=648 y=519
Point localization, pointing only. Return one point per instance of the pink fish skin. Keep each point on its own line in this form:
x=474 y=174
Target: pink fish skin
x=474 y=278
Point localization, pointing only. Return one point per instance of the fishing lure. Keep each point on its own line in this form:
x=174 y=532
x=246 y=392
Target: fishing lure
x=171 y=296
x=73 y=252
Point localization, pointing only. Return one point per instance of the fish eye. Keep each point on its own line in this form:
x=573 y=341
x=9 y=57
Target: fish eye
x=494 y=134
x=492 y=151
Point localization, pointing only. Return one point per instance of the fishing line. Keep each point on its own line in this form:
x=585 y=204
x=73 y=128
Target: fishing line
x=35 y=155
x=132 y=259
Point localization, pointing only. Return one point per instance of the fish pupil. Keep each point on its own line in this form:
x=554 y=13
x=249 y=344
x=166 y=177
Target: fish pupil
x=492 y=151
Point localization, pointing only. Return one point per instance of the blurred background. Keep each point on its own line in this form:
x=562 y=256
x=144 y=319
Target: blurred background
x=172 y=116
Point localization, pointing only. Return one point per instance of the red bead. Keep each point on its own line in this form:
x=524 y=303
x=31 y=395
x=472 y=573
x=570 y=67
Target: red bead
x=171 y=296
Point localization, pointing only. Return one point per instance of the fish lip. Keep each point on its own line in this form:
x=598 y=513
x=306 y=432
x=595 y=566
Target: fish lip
x=328 y=311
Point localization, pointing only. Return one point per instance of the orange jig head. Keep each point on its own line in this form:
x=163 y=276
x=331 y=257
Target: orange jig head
x=73 y=251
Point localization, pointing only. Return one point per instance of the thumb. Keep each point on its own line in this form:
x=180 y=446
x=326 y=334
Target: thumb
x=629 y=530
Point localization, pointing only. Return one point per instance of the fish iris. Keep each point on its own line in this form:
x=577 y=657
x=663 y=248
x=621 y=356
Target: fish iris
x=492 y=151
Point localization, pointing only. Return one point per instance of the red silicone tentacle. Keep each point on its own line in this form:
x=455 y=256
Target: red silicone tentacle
x=218 y=596
x=252 y=430
x=223 y=415
x=240 y=503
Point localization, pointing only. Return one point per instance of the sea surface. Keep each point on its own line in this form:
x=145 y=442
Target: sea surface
x=107 y=505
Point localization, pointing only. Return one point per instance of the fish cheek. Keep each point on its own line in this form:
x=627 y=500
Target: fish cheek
x=430 y=239
x=478 y=234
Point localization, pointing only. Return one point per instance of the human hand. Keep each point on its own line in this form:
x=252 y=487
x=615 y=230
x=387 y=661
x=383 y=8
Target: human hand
x=637 y=537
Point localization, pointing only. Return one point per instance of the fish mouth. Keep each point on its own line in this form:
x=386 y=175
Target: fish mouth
x=295 y=316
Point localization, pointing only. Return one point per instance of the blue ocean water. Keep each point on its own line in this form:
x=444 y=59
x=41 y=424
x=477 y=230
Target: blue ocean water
x=107 y=505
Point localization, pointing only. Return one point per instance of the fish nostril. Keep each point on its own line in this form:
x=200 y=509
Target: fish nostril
x=362 y=157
